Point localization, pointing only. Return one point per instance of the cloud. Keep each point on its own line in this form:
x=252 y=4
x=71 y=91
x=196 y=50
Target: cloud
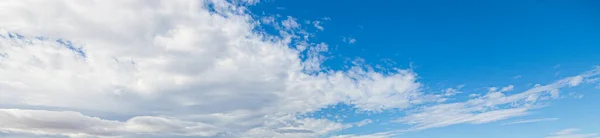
x=570 y=133
x=575 y=81
x=374 y=135
x=493 y=106
x=317 y=25
x=453 y=91
x=73 y=123
x=531 y=121
x=507 y=88
x=290 y=23
x=364 y=122
x=137 y=68
x=183 y=68
x=348 y=40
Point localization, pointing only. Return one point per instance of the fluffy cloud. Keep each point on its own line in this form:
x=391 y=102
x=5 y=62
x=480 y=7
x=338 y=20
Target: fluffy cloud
x=183 y=68
x=570 y=133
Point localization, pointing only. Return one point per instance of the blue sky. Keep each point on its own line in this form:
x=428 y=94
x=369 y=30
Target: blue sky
x=476 y=43
x=275 y=68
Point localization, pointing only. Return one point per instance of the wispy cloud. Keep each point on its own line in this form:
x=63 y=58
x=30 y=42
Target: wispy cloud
x=571 y=133
x=531 y=121
x=493 y=106
x=374 y=135
x=517 y=77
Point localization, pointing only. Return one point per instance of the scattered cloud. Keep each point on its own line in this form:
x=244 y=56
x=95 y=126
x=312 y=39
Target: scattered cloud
x=556 y=66
x=453 y=91
x=571 y=133
x=290 y=23
x=348 y=40
x=576 y=95
x=531 y=121
x=268 y=20
x=317 y=24
x=507 y=88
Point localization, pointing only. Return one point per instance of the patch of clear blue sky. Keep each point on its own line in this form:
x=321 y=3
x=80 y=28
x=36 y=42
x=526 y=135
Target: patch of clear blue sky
x=480 y=43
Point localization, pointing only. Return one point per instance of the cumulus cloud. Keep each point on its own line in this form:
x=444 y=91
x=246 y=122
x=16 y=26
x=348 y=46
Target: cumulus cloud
x=571 y=133
x=183 y=68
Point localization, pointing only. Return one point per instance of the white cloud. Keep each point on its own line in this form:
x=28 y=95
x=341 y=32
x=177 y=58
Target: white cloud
x=374 y=135
x=491 y=107
x=453 y=91
x=531 y=121
x=575 y=81
x=507 y=88
x=195 y=68
x=73 y=123
x=172 y=66
x=317 y=25
x=290 y=23
x=571 y=133
x=364 y=122
x=348 y=40
x=268 y=20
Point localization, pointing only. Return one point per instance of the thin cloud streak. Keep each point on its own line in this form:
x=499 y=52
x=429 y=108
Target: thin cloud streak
x=531 y=121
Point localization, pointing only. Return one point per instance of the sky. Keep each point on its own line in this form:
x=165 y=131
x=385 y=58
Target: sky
x=310 y=68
